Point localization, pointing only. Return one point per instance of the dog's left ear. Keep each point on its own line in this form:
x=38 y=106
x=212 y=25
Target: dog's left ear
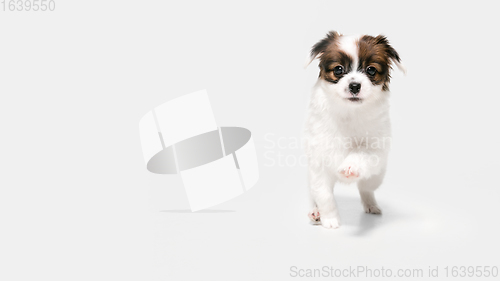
x=391 y=52
x=319 y=48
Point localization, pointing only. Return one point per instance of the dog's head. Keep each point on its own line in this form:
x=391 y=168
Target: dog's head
x=355 y=69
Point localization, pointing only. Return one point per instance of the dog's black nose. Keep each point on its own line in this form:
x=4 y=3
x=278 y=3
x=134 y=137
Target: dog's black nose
x=354 y=88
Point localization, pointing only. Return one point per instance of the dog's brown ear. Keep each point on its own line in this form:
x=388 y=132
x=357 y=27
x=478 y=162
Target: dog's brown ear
x=321 y=46
x=391 y=52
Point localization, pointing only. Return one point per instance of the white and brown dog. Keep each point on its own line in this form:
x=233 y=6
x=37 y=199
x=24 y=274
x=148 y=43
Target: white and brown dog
x=347 y=130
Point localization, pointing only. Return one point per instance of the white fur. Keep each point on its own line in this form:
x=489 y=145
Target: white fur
x=346 y=141
x=348 y=44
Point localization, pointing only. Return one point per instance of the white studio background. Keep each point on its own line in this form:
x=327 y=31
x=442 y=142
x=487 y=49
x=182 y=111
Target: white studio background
x=77 y=203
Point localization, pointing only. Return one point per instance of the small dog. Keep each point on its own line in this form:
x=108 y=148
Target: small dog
x=347 y=130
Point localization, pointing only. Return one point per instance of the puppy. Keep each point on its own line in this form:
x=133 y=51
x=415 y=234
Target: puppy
x=347 y=129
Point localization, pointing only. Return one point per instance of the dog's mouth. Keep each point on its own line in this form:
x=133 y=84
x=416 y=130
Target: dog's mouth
x=354 y=99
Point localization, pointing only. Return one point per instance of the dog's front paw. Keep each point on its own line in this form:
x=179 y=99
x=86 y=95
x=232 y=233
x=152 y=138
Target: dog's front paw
x=314 y=216
x=349 y=171
x=330 y=222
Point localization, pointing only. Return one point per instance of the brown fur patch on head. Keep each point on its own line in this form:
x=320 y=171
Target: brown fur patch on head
x=376 y=52
x=331 y=57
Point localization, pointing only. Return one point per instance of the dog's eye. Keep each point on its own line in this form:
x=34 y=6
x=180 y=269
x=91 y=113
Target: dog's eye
x=371 y=70
x=338 y=70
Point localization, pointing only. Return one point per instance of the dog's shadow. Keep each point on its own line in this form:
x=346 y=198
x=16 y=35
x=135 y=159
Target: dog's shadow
x=353 y=215
x=206 y=211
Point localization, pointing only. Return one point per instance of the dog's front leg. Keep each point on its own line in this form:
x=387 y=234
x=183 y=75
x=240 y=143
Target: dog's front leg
x=368 y=170
x=321 y=186
x=361 y=165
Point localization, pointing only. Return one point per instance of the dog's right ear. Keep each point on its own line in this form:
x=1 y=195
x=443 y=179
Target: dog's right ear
x=319 y=48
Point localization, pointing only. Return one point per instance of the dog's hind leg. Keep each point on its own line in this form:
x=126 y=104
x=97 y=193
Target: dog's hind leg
x=366 y=190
